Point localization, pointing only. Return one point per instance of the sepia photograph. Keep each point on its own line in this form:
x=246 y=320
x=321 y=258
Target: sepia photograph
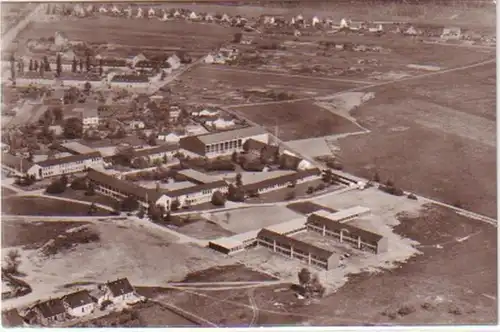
x=251 y=163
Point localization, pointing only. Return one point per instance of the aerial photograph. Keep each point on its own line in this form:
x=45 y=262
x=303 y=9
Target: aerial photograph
x=249 y=163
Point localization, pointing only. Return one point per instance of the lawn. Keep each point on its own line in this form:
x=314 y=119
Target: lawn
x=44 y=206
x=33 y=234
x=80 y=195
x=236 y=272
x=298 y=120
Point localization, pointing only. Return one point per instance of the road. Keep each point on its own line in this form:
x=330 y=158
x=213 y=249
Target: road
x=255 y=308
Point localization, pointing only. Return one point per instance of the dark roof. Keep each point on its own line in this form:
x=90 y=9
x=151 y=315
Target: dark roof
x=11 y=318
x=228 y=135
x=69 y=159
x=281 y=180
x=120 y=287
x=51 y=308
x=354 y=231
x=303 y=246
x=18 y=163
x=126 y=187
x=252 y=144
x=155 y=150
x=79 y=77
x=198 y=188
x=78 y=299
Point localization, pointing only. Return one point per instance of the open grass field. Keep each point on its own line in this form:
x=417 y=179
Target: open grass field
x=298 y=120
x=33 y=234
x=452 y=284
x=44 y=206
x=122 y=31
x=411 y=137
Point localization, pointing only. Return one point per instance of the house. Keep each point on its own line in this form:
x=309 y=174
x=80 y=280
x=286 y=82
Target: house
x=289 y=247
x=233 y=244
x=151 y=12
x=411 y=31
x=336 y=225
x=19 y=166
x=136 y=124
x=102 y=10
x=115 y=10
x=174 y=61
x=69 y=55
x=452 y=33
x=315 y=21
x=119 y=290
x=193 y=16
x=162 y=152
x=197 y=194
x=75 y=148
x=69 y=164
x=222 y=143
x=168 y=137
x=209 y=59
x=375 y=28
x=79 y=304
x=90 y=116
x=108 y=185
x=177 y=14
x=220 y=124
x=60 y=39
x=47 y=312
x=209 y=18
x=138 y=58
x=289 y=161
x=225 y=18
x=267 y=153
x=164 y=16
x=344 y=24
x=140 y=13
x=11 y=318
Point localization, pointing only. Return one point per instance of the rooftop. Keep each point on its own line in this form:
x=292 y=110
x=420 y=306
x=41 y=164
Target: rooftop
x=198 y=176
x=78 y=148
x=78 y=299
x=195 y=189
x=211 y=138
x=51 y=308
x=120 y=287
x=288 y=226
x=69 y=159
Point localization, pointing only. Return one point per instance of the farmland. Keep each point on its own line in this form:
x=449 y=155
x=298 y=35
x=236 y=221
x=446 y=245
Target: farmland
x=44 y=206
x=298 y=120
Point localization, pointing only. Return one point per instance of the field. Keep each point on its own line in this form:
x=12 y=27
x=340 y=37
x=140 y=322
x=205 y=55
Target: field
x=298 y=120
x=228 y=85
x=44 y=206
x=411 y=137
x=444 y=289
x=134 y=33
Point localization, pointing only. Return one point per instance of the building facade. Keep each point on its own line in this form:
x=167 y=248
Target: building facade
x=70 y=164
x=79 y=304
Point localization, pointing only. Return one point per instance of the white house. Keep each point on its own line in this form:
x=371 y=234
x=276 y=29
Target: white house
x=344 y=24
x=90 y=117
x=452 y=33
x=378 y=28
x=79 y=304
x=128 y=11
x=60 y=39
x=221 y=124
x=197 y=194
x=174 y=61
x=177 y=14
x=140 y=14
x=209 y=18
x=193 y=16
x=411 y=31
x=136 y=124
x=225 y=18
x=209 y=59
x=119 y=290
x=151 y=12
x=315 y=20
x=168 y=137
x=164 y=16
x=68 y=165
x=103 y=9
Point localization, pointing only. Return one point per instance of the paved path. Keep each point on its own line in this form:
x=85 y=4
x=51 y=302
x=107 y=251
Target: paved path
x=104 y=207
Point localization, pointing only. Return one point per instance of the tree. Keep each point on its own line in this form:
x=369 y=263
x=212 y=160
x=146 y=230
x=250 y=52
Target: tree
x=152 y=139
x=141 y=212
x=92 y=209
x=310 y=190
x=100 y=67
x=239 y=181
x=86 y=88
x=163 y=75
x=73 y=65
x=389 y=183
x=12 y=261
x=58 y=114
x=129 y=204
x=175 y=205
x=46 y=63
x=235 y=194
x=327 y=176
x=12 y=68
x=90 y=190
x=30 y=66
x=87 y=63
x=304 y=277
x=73 y=128
x=237 y=37
x=218 y=199
x=56 y=187
x=290 y=195
x=80 y=65
x=35 y=65
x=168 y=217
x=42 y=70
x=58 y=65
x=79 y=183
x=376 y=177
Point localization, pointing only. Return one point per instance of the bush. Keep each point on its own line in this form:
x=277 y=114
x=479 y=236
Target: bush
x=310 y=190
x=235 y=194
x=412 y=196
x=56 y=187
x=79 y=184
x=129 y=204
x=406 y=310
x=220 y=165
x=175 y=205
x=218 y=199
x=391 y=190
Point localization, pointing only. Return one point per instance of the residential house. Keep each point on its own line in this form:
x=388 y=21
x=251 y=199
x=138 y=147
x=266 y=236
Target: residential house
x=151 y=13
x=60 y=39
x=195 y=176
x=168 y=137
x=174 y=61
x=336 y=226
x=290 y=247
x=209 y=18
x=119 y=290
x=222 y=143
x=47 y=312
x=452 y=33
x=315 y=21
x=411 y=31
x=225 y=18
x=140 y=13
x=375 y=28
x=11 y=318
x=79 y=304
x=103 y=9
x=193 y=16
x=210 y=58
x=220 y=124
x=136 y=124
x=90 y=116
